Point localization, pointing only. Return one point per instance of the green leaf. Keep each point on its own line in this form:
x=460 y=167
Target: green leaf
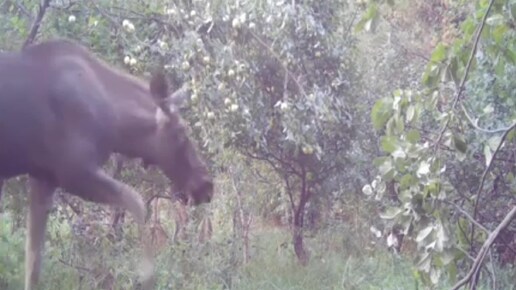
x=435 y=275
x=511 y=135
x=430 y=75
x=424 y=169
x=424 y=233
x=447 y=256
x=380 y=160
x=380 y=113
x=400 y=125
x=367 y=190
x=391 y=213
x=496 y=19
x=389 y=144
x=510 y=55
x=459 y=144
x=483 y=4
x=488 y=109
x=439 y=53
x=368 y=19
x=424 y=262
x=498 y=33
x=453 y=71
x=452 y=273
x=488 y=154
x=510 y=177
x=468 y=26
x=387 y=170
x=406 y=181
x=411 y=113
x=413 y=136
x=442 y=237
x=513 y=10
x=399 y=154
x=460 y=233
x=494 y=141
x=369 y=25
x=390 y=127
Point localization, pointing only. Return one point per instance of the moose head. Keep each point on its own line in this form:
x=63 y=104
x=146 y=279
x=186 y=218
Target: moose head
x=175 y=153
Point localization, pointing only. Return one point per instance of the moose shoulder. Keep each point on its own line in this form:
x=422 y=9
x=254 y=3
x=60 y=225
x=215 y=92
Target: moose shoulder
x=63 y=112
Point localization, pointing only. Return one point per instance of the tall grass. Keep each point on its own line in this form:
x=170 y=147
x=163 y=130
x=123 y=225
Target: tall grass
x=337 y=262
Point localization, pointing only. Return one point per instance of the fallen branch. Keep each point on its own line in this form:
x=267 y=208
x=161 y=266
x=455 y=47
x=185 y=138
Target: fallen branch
x=473 y=272
x=157 y=196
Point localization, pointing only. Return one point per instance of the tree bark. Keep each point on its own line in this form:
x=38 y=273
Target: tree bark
x=297 y=229
x=242 y=220
x=299 y=247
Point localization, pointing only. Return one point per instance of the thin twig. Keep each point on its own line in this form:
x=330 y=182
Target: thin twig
x=105 y=15
x=471 y=219
x=486 y=171
x=485 y=248
x=278 y=58
x=23 y=9
x=37 y=23
x=157 y=196
x=493 y=269
x=74 y=208
x=76 y=267
x=466 y=72
x=465 y=253
x=116 y=24
x=475 y=125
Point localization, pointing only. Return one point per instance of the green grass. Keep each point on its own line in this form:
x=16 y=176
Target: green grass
x=338 y=261
x=275 y=268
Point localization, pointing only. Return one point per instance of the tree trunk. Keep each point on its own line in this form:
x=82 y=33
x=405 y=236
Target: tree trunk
x=242 y=220
x=297 y=229
x=299 y=247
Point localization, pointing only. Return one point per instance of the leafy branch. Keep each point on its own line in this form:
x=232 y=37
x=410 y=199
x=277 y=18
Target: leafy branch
x=466 y=72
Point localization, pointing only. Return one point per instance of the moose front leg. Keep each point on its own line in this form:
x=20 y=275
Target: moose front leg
x=96 y=186
x=1 y=187
x=40 y=203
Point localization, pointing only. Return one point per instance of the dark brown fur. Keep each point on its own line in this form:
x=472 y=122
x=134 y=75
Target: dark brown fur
x=63 y=112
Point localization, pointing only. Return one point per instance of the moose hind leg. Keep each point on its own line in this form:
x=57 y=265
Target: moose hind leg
x=40 y=203
x=96 y=186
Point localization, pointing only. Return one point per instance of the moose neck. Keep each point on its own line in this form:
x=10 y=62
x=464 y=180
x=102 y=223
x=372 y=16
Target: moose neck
x=136 y=122
x=136 y=126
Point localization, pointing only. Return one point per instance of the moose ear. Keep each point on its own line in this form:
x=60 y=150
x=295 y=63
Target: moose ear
x=159 y=90
x=158 y=86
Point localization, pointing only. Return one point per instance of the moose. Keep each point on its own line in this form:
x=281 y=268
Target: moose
x=64 y=111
